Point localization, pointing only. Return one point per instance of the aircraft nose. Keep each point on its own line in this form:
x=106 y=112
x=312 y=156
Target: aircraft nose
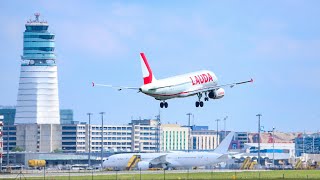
x=105 y=163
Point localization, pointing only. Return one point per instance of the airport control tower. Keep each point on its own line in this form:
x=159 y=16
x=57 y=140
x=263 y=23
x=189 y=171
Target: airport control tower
x=38 y=100
x=37 y=112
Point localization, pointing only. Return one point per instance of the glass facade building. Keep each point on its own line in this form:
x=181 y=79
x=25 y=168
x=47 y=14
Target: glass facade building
x=8 y=115
x=1 y=141
x=66 y=116
x=38 y=43
x=307 y=143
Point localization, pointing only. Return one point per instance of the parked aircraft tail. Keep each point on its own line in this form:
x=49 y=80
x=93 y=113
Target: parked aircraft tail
x=146 y=70
x=224 y=145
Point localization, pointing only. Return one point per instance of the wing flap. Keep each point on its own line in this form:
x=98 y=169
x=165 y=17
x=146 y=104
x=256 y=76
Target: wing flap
x=160 y=87
x=231 y=85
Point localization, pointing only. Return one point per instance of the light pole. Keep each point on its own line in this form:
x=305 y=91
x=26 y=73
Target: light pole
x=189 y=114
x=89 y=158
x=1 y=131
x=7 y=124
x=303 y=142
x=102 y=113
x=217 y=131
x=259 y=129
x=273 y=128
x=224 y=120
x=158 y=132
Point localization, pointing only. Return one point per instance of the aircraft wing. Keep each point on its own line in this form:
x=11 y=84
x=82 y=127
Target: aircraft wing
x=159 y=160
x=119 y=88
x=231 y=85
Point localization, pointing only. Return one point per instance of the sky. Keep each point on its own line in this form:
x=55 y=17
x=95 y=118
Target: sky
x=277 y=43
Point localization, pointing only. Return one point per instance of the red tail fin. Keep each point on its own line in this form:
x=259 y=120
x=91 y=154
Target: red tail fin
x=146 y=70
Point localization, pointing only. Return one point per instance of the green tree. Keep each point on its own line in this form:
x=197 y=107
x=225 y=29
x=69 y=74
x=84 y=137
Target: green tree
x=17 y=149
x=57 y=151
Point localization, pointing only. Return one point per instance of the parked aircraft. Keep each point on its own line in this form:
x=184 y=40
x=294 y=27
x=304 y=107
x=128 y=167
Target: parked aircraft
x=196 y=83
x=169 y=160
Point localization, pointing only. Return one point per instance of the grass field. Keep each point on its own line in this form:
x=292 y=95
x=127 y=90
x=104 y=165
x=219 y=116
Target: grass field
x=289 y=174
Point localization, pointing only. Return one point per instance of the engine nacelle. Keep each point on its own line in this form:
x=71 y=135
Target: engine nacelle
x=216 y=94
x=143 y=165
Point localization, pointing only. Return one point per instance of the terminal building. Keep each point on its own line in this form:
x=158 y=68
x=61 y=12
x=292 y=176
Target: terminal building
x=174 y=137
x=307 y=143
x=203 y=139
x=137 y=136
x=277 y=153
x=1 y=141
x=240 y=138
x=75 y=138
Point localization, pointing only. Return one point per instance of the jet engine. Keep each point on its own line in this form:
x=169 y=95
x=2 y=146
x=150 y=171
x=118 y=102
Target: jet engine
x=216 y=94
x=143 y=165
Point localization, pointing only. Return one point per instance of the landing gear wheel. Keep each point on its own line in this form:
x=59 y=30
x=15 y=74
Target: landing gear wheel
x=197 y=104
x=161 y=105
x=201 y=103
x=165 y=104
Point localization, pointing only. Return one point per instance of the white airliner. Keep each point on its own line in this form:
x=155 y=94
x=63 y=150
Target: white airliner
x=195 y=83
x=172 y=160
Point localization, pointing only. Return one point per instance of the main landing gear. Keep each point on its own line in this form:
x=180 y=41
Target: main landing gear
x=199 y=102
x=206 y=97
x=164 y=104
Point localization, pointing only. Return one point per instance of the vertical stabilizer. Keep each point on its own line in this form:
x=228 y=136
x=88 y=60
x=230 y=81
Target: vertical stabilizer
x=224 y=145
x=146 y=70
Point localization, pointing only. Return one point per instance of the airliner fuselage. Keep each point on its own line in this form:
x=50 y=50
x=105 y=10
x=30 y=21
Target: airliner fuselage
x=180 y=86
x=171 y=160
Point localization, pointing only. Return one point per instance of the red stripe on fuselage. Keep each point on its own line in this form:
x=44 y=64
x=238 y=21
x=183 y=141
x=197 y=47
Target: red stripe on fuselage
x=168 y=95
x=148 y=79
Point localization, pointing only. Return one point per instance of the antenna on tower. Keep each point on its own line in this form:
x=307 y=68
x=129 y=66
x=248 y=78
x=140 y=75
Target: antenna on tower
x=37 y=17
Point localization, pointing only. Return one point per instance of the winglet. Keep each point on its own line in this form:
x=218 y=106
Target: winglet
x=251 y=80
x=92 y=84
